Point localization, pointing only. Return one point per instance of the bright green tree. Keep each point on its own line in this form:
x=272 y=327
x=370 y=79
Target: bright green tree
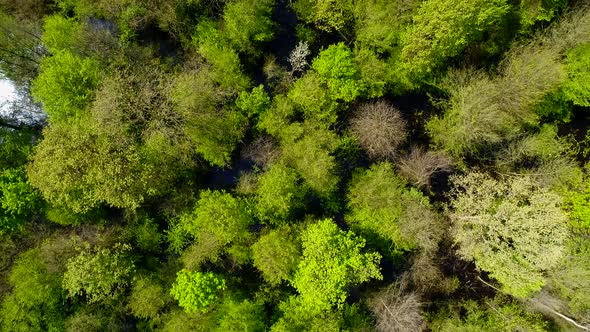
x=337 y=69
x=332 y=262
x=513 y=229
x=18 y=200
x=196 y=291
x=65 y=85
x=236 y=316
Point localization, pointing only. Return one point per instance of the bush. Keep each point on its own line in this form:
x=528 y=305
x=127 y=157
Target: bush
x=379 y=128
x=513 y=229
x=196 y=291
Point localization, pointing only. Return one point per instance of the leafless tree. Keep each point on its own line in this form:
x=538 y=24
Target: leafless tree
x=419 y=166
x=379 y=128
x=298 y=57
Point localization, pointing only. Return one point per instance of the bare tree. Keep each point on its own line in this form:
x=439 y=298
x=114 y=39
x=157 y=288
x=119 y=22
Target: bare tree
x=379 y=128
x=397 y=311
x=263 y=151
x=298 y=57
x=419 y=166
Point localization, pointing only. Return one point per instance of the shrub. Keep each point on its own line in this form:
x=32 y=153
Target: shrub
x=379 y=128
x=195 y=291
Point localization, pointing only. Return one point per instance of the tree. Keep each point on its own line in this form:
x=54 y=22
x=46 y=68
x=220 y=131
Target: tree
x=35 y=301
x=443 y=28
x=279 y=194
x=328 y=15
x=247 y=24
x=513 y=229
x=147 y=298
x=20 y=48
x=397 y=311
x=66 y=85
x=380 y=204
x=332 y=262
x=18 y=200
x=336 y=67
x=196 y=291
x=98 y=274
x=276 y=255
x=238 y=316
x=379 y=129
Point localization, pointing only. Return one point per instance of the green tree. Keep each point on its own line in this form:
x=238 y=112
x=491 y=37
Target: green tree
x=36 y=298
x=332 y=261
x=59 y=33
x=18 y=200
x=196 y=291
x=279 y=194
x=147 y=299
x=336 y=67
x=498 y=314
x=443 y=28
x=380 y=204
x=513 y=229
x=276 y=255
x=328 y=15
x=98 y=274
x=66 y=85
x=247 y=24
x=238 y=316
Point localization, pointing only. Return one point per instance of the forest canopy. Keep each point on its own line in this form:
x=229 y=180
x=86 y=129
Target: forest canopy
x=303 y=165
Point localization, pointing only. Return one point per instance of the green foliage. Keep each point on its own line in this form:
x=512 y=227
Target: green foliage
x=15 y=147
x=253 y=103
x=332 y=262
x=279 y=194
x=381 y=23
x=336 y=67
x=241 y=316
x=532 y=12
x=147 y=298
x=35 y=302
x=59 y=33
x=309 y=151
x=278 y=116
x=247 y=24
x=276 y=255
x=380 y=203
x=226 y=66
x=498 y=314
x=313 y=98
x=18 y=200
x=75 y=168
x=570 y=279
x=98 y=274
x=577 y=205
x=196 y=291
x=328 y=15
x=577 y=87
x=513 y=229
x=214 y=130
x=443 y=28
x=218 y=214
x=65 y=85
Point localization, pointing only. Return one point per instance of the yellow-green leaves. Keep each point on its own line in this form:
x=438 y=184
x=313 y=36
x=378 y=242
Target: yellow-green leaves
x=196 y=290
